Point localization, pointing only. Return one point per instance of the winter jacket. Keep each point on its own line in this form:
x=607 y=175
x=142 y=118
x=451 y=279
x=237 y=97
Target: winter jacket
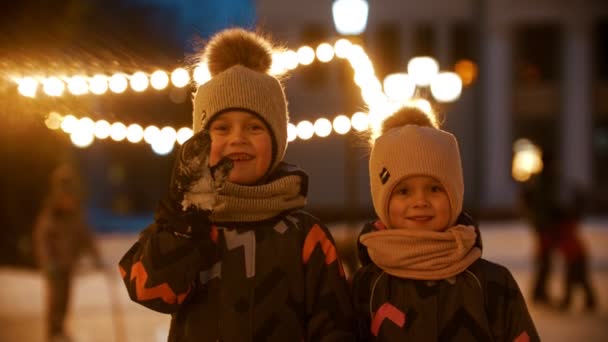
x=483 y=303
x=273 y=280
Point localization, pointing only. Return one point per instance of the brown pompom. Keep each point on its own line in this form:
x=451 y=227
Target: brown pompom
x=237 y=46
x=408 y=116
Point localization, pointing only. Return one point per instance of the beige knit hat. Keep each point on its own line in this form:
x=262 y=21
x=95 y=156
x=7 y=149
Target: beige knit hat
x=239 y=62
x=412 y=150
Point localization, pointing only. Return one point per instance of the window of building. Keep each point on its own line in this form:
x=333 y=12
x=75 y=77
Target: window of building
x=537 y=53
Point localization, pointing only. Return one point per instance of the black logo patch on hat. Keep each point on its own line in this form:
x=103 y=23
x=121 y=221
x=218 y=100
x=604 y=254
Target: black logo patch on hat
x=203 y=116
x=384 y=175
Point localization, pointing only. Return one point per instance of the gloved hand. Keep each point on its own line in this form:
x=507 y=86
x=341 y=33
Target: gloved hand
x=193 y=188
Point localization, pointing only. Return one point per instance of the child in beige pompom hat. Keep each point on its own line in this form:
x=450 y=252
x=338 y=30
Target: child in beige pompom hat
x=231 y=255
x=423 y=278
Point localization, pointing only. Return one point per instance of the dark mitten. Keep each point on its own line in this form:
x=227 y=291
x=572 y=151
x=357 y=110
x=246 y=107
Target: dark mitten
x=193 y=189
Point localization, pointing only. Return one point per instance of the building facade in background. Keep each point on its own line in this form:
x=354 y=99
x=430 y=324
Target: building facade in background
x=542 y=75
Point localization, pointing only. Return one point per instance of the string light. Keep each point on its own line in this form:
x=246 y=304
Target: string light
x=378 y=99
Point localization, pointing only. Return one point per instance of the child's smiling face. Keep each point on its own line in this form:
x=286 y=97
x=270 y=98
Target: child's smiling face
x=245 y=139
x=419 y=202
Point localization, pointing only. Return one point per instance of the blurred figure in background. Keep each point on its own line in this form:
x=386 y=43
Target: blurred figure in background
x=555 y=215
x=540 y=207
x=573 y=250
x=61 y=236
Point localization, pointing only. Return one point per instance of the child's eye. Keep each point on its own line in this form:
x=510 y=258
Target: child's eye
x=436 y=188
x=403 y=191
x=257 y=127
x=219 y=128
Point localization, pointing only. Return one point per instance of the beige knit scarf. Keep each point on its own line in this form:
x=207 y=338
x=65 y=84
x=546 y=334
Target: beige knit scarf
x=242 y=203
x=425 y=255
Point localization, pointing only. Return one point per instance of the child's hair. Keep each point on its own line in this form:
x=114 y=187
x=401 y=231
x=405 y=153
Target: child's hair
x=239 y=62
x=411 y=144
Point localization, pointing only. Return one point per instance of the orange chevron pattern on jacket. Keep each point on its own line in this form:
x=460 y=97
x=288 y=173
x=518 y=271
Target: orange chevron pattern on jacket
x=162 y=291
x=122 y=271
x=387 y=311
x=316 y=236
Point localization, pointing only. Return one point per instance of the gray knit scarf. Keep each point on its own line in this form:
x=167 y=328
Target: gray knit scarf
x=424 y=255
x=242 y=203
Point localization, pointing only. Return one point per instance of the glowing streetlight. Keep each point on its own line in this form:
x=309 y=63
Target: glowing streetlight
x=399 y=87
x=422 y=70
x=446 y=87
x=350 y=16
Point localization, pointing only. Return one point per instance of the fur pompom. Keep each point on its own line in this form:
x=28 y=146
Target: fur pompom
x=409 y=116
x=237 y=46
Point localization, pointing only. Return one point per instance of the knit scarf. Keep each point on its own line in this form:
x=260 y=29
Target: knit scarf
x=424 y=255
x=242 y=203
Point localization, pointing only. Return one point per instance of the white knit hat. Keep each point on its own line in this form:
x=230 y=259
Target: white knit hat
x=239 y=62
x=413 y=150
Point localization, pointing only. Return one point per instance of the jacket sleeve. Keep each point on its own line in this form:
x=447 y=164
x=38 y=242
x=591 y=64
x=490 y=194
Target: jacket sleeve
x=506 y=300
x=328 y=302
x=160 y=270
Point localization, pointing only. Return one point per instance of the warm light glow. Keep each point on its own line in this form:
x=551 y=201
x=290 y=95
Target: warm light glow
x=28 y=86
x=159 y=80
x=180 y=77
x=183 y=134
x=290 y=58
x=85 y=126
x=162 y=147
x=53 y=121
x=422 y=70
x=82 y=139
x=151 y=133
x=446 y=87
x=342 y=47
x=135 y=133
x=69 y=123
x=399 y=87
x=305 y=130
x=53 y=86
x=360 y=121
x=467 y=70
x=118 y=131
x=292 y=132
x=322 y=127
x=118 y=83
x=527 y=160
x=78 y=85
x=341 y=124
x=102 y=129
x=306 y=55
x=168 y=135
x=350 y=16
x=201 y=74
x=325 y=52
x=139 y=81
x=98 y=84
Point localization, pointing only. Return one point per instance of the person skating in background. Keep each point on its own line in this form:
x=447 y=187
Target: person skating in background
x=423 y=278
x=574 y=251
x=231 y=255
x=555 y=214
x=540 y=202
x=61 y=236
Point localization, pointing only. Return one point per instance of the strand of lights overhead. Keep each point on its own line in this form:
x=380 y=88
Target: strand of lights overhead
x=83 y=131
x=377 y=101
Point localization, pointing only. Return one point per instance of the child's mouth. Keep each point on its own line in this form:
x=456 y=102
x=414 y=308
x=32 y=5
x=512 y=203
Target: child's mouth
x=420 y=218
x=239 y=157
